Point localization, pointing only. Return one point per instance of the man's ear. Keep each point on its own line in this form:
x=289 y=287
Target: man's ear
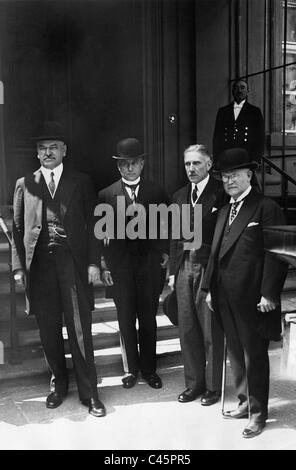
x=209 y=164
x=65 y=149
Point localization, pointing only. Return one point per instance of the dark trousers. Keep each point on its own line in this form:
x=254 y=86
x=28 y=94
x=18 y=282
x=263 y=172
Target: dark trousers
x=136 y=296
x=201 y=337
x=57 y=290
x=248 y=354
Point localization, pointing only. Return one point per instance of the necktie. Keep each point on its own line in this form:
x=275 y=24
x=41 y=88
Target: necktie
x=51 y=184
x=132 y=194
x=194 y=194
x=233 y=212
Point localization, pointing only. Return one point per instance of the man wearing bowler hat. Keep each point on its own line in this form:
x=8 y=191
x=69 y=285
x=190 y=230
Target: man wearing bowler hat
x=55 y=254
x=201 y=336
x=135 y=267
x=244 y=284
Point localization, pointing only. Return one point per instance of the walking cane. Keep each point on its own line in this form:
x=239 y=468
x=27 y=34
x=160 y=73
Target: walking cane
x=223 y=375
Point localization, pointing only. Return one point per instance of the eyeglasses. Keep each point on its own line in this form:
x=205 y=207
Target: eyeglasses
x=232 y=177
x=43 y=149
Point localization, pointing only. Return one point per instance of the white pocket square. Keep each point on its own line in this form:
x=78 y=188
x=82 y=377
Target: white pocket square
x=252 y=224
x=214 y=209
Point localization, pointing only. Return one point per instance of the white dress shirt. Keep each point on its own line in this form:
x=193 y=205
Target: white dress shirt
x=200 y=187
x=239 y=199
x=132 y=183
x=57 y=173
x=237 y=108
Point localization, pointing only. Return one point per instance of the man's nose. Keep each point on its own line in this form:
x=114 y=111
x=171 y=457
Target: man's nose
x=47 y=151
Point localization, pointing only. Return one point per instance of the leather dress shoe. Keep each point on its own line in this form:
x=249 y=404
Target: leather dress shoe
x=209 y=398
x=236 y=414
x=253 y=429
x=153 y=380
x=54 y=400
x=129 y=381
x=95 y=407
x=188 y=395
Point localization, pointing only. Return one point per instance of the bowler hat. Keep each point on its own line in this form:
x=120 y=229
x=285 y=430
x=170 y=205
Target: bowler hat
x=170 y=307
x=129 y=148
x=233 y=159
x=50 y=130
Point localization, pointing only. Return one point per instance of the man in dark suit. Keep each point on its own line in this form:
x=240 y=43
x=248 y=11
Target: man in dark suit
x=201 y=336
x=134 y=267
x=244 y=284
x=55 y=254
x=239 y=124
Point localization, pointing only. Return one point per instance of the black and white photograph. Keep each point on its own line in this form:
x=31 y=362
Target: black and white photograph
x=147 y=227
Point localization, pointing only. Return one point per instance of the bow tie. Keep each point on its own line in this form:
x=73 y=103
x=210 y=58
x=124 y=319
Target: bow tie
x=237 y=106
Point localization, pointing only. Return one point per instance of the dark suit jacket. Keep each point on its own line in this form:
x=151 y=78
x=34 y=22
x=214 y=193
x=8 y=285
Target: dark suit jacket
x=77 y=211
x=247 y=131
x=149 y=193
x=248 y=271
x=213 y=196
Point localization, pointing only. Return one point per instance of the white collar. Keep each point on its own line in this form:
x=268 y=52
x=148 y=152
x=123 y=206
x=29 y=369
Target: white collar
x=57 y=171
x=131 y=183
x=240 y=105
x=201 y=185
x=242 y=196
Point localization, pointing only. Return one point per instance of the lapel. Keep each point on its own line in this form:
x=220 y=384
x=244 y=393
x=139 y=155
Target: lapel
x=117 y=190
x=184 y=195
x=35 y=194
x=240 y=222
x=218 y=234
x=230 y=113
x=243 y=112
x=208 y=197
x=66 y=188
x=141 y=199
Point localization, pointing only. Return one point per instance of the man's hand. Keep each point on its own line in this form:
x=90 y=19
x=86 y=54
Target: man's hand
x=209 y=301
x=165 y=260
x=19 y=277
x=93 y=273
x=266 y=305
x=106 y=278
x=171 y=282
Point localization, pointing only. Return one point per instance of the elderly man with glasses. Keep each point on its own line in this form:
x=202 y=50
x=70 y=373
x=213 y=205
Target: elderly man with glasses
x=55 y=254
x=244 y=284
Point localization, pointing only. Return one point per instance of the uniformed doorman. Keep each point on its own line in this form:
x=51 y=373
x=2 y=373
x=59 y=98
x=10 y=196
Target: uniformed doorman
x=239 y=124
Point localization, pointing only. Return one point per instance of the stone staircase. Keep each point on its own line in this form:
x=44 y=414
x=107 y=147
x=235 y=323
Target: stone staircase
x=30 y=359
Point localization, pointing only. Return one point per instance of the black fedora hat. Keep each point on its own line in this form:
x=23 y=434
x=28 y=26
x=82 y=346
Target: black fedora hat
x=50 y=130
x=170 y=307
x=234 y=159
x=129 y=148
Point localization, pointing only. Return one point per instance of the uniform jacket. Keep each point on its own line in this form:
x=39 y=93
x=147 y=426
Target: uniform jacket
x=212 y=199
x=247 y=131
x=77 y=212
x=149 y=193
x=248 y=271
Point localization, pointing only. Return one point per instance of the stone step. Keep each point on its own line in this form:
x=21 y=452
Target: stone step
x=108 y=362
x=105 y=334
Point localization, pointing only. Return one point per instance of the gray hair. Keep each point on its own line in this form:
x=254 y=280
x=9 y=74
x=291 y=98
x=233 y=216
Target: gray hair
x=200 y=148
